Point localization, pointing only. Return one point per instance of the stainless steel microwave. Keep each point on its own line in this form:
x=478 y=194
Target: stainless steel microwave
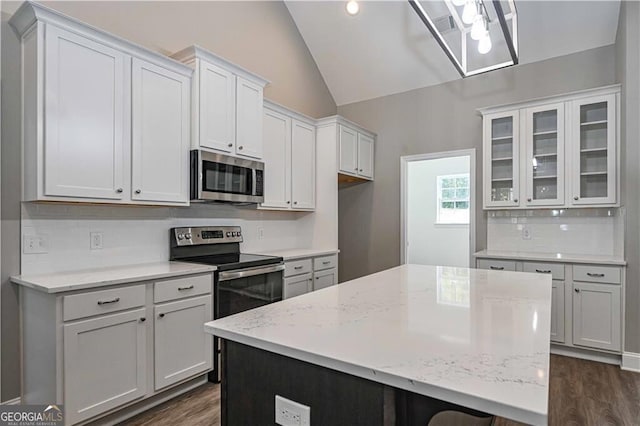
x=217 y=177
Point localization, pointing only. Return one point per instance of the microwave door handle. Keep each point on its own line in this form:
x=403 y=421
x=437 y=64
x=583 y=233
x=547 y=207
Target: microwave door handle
x=254 y=174
x=243 y=273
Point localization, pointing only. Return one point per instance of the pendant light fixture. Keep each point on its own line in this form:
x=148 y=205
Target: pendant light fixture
x=469 y=12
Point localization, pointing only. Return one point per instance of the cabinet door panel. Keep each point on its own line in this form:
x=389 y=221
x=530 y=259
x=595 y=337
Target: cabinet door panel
x=594 y=155
x=501 y=160
x=104 y=363
x=277 y=159
x=325 y=279
x=182 y=348
x=596 y=315
x=365 y=156
x=85 y=130
x=545 y=155
x=303 y=166
x=557 y=311
x=249 y=119
x=295 y=286
x=348 y=150
x=217 y=119
x=160 y=143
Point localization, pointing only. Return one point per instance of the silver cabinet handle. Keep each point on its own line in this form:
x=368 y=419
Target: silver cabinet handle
x=143 y=319
x=161 y=315
x=240 y=147
x=497 y=268
x=297 y=267
x=576 y=198
x=119 y=190
x=577 y=290
x=107 y=302
x=138 y=191
x=542 y=271
x=189 y=287
x=230 y=145
x=594 y=275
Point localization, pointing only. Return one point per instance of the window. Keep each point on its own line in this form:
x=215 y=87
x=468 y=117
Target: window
x=453 y=199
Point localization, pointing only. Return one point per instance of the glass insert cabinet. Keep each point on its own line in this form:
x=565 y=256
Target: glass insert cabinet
x=553 y=153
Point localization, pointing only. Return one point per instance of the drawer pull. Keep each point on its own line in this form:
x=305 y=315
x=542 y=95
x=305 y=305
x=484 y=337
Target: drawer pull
x=107 y=302
x=542 y=271
x=577 y=290
x=161 y=315
x=189 y=287
x=297 y=267
x=497 y=268
x=326 y=262
x=594 y=275
x=143 y=319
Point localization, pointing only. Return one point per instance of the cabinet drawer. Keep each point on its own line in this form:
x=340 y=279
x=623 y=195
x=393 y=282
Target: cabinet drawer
x=102 y=302
x=297 y=267
x=597 y=274
x=556 y=270
x=325 y=262
x=497 y=265
x=182 y=287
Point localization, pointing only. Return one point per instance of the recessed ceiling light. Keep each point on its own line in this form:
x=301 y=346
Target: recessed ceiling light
x=353 y=7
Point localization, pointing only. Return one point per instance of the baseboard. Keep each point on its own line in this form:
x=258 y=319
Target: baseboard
x=14 y=401
x=631 y=361
x=604 y=357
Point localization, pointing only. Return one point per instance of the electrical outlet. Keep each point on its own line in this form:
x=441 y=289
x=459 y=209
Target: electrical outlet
x=260 y=233
x=526 y=233
x=35 y=244
x=95 y=240
x=291 y=413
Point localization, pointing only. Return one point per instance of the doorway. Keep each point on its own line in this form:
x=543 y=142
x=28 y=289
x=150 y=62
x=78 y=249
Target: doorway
x=438 y=208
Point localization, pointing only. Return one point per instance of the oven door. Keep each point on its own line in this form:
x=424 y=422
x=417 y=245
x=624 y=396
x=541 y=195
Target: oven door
x=244 y=289
x=223 y=178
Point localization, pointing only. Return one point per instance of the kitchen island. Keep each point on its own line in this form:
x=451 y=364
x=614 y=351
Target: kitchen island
x=394 y=347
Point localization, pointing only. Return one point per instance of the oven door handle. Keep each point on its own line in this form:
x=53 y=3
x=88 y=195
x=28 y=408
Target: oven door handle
x=243 y=273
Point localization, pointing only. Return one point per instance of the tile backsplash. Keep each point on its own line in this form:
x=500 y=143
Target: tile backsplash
x=594 y=232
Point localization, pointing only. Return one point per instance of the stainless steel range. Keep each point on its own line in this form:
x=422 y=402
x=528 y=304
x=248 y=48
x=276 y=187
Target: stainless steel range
x=242 y=281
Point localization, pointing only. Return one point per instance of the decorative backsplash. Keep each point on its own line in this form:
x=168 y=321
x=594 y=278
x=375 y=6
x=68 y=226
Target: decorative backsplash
x=575 y=231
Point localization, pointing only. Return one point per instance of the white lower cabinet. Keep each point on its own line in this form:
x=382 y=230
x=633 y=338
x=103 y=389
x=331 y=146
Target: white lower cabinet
x=597 y=315
x=182 y=349
x=324 y=279
x=557 y=311
x=105 y=362
x=304 y=275
x=295 y=286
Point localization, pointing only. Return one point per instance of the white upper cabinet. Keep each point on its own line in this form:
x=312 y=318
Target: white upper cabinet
x=555 y=152
x=544 y=155
x=104 y=120
x=227 y=105
x=160 y=134
x=289 y=160
x=501 y=159
x=356 y=149
x=217 y=107
x=303 y=165
x=348 y=150
x=594 y=171
x=85 y=107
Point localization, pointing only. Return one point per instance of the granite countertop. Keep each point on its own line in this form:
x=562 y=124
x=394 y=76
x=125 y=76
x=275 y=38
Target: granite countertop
x=472 y=337
x=100 y=277
x=551 y=257
x=292 y=254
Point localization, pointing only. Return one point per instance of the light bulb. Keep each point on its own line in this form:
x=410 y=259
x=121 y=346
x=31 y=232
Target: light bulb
x=478 y=29
x=458 y=2
x=484 y=45
x=353 y=7
x=469 y=12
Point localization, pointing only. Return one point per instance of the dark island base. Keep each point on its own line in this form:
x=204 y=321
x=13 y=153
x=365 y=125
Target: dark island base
x=252 y=377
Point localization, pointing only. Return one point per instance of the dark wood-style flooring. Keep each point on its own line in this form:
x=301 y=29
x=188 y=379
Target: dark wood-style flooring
x=581 y=393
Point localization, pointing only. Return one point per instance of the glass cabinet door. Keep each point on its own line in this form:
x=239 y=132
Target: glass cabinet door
x=594 y=161
x=501 y=159
x=545 y=155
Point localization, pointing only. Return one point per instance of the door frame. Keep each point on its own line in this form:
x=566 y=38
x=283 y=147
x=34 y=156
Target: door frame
x=404 y=162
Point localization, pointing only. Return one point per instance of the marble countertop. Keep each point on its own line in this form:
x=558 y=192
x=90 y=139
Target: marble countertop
x=473 y=337
x=292 y=254
x=551 y=257
x=100 y=277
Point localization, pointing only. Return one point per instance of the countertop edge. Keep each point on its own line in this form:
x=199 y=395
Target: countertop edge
x=198 y=269
x=307 y=253
x=477 y=403
x=545 y=258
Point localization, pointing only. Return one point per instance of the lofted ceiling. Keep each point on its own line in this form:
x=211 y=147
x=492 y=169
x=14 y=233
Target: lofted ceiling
x=386 y=49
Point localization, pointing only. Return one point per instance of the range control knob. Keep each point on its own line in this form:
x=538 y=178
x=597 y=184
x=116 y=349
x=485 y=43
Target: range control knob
x=234 y=234
x=180 y=236
x=228 y=234
x=239 y=234
x=187 y=236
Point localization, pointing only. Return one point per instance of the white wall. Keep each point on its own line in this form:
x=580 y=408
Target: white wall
x=431 y=243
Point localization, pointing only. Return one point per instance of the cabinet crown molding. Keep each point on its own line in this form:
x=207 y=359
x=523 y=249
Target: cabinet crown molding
x=338 y=119
x=31 y=12
x=192 y=52
x=603 y=90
